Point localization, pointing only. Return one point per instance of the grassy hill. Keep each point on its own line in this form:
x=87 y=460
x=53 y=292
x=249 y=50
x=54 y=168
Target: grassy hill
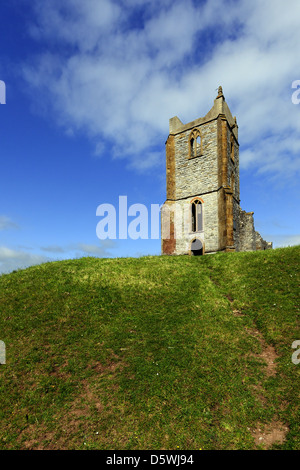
x=152 y=353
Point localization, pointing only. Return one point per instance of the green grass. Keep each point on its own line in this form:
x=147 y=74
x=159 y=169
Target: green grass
x=151 y=353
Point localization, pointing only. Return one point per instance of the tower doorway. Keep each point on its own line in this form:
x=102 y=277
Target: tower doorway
x=196 y=247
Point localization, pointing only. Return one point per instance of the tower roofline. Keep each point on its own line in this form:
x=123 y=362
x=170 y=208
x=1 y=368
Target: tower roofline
x=220 y=107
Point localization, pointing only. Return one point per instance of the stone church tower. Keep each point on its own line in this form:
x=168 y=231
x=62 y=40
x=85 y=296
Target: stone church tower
x=202 y=212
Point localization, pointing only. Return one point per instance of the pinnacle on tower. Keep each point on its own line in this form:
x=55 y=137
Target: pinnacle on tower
x=220 y=93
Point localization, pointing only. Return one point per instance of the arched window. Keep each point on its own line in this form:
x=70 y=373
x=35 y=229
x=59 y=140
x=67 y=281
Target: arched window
x=197 y=216
x=195 y=144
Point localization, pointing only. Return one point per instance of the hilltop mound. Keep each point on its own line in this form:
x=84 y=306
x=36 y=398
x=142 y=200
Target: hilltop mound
x=152 y=353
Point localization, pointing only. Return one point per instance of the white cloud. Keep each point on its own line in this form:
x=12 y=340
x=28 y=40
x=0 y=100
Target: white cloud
x=75 y=22
x=121 y=77
x=11 y=259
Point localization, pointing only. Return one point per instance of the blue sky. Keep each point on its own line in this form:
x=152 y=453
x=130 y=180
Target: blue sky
x=90 y=88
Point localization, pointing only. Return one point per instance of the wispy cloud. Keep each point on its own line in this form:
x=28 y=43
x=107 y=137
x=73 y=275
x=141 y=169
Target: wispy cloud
x=53 y=249
x=122 y=70
x=11 y=259
x=7 y=224
x=280 y=241
x=103 y=249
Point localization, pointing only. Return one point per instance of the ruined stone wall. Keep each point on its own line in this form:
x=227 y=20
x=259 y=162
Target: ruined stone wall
x=262 y=244
x=247 y=239
x=236 y=225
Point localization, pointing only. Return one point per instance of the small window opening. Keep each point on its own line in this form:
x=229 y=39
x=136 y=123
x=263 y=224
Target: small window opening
x=192 y=147
x=198 y=145
x=193 y=217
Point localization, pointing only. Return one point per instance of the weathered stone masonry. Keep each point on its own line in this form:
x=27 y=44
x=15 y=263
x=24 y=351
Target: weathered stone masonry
x=202 y=212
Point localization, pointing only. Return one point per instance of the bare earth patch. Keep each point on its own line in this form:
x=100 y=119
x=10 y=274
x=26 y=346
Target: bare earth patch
x=273 y=433
x=268 y=353
x=237 y=313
